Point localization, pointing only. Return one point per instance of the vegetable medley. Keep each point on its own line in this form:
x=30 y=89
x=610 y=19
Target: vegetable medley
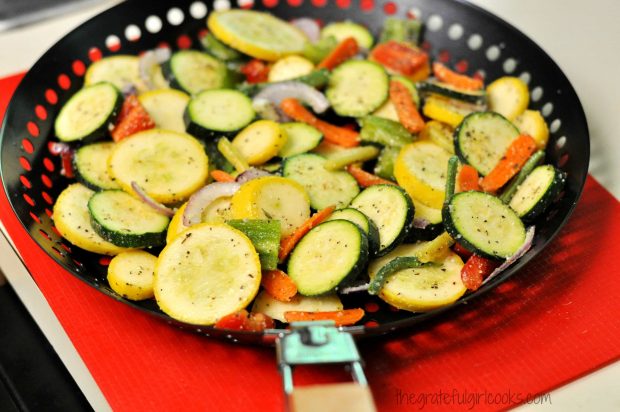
x=285 y=164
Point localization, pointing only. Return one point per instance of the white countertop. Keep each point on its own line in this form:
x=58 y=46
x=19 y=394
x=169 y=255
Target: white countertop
x=580 y=36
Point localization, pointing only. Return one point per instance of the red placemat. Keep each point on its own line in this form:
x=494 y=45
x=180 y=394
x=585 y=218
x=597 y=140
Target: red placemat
x=552 y=323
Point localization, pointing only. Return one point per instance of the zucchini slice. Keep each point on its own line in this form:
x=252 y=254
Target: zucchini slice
x=169 y=166
x=289 y=68
x=91 y=166
x=193 y=71
x=360 y=219
x=205 y=273
x=390 y=209
x=385 y=132
x=89 y=113
x=260 y=142
x=324 y=187
x=508 y=96
x=332 y=253
x=344 y=29
x=166 y=108
x=213 y=113
x=484 y=225
x=272 y=197
x=120 y=70
x=258 y=34
x=130 y=274
x=300 y=138
x=537 y=192
x=482 y=139
x=265 y=236
x=276 y=309
x=420 y=289
x=421 y=170
x=357 y=88
x=451 y=92
x=125 y=221
x=72 y=220
x=385 y=163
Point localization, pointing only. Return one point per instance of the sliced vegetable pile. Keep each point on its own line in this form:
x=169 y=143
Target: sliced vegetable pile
x=285 y=164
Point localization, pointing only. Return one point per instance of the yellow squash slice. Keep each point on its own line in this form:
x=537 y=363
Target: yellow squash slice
x=130 y=274
x=508 y=96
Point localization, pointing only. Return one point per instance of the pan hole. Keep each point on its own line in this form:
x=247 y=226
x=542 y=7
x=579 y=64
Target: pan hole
x=475 y=41
x=198 y=10
x=493 y=53
x=245 y=4
x=563 y=160
x=221 y=5
x=455 y=31
x=113 y=43
x=547 y=109
x=25 y=181
x=525 y=77
x=58 y=252
x=25 y=163
x=133 y=32
x=414 y=13
x=153 y=24
x=33 y=129
x=48 y=164
x=319 y=3
x=371 y=324
x=35 y=218
x=55 y=230
x=40 y=112
x=270 y=3
x=443 y=56
x=371 y=307
x=104 y=260
x=510 y=65
x=480 y=74
x=94 y=54
x=51 y=96
x=175 y=16
x=44 y=234
x=343 y=4
x=184 y=42
x=64 y=81
x=461 y=66
x=555 y=125
x=65 y=247
x=46 y=181
x=390 y=8
x=295 y=3
x=78 y=68
x=434 y=23
x=367 y=5
x=27 y=146
x=48 y=199
x=48 y=212
x=28 y=199
x=560 y=143
x=537 y=93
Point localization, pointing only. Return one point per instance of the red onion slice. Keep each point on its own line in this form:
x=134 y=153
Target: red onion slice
x=527 y=244
x=149 y=60
x=155 y=205
x=267 y=110
x=420 y=223
x=310 y=28
x=204 y=197
x=251 y=174
x=277 y=92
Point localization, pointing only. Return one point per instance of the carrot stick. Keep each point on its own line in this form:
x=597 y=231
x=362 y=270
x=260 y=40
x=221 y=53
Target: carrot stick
x=221 y=176
x=343 y=52
x=333 y=134
x=443 y=74
x=288 y=243
x=468 y=179
x=476 y=269
x=341 y=317
x=517 y=154
x=408 y=114
x=279 y=285
x=365 y=179
x=401 y=58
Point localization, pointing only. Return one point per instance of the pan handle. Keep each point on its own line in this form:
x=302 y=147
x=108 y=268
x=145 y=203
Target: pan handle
x=315 y=343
